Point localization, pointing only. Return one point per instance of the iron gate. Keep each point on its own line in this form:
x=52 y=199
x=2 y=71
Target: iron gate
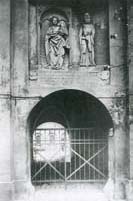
x=69 y=155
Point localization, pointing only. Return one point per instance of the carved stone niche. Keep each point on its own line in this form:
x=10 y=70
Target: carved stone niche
x=49 y=37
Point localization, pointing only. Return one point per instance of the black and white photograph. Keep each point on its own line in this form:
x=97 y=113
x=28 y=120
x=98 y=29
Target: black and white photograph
x=66 y=100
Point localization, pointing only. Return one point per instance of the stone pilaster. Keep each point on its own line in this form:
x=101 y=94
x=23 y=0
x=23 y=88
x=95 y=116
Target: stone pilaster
x=117 y=41
x=5 y=134
x=130 y=59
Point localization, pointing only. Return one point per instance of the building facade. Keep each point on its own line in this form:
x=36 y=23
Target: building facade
x=69 y=63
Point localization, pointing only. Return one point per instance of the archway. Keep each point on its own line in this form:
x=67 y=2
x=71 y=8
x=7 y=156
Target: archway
x=85 y=122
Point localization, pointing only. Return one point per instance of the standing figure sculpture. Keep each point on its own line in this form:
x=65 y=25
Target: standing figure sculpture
x=56 y=41
x=86 y=35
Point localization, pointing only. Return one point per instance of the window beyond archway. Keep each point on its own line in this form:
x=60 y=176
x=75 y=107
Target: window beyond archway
x=51 y=143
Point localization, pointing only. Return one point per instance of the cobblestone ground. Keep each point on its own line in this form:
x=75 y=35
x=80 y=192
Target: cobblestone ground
x=72 y=192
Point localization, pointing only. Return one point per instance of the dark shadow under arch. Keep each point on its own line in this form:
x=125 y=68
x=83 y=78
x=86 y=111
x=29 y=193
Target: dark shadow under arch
x=71 y=108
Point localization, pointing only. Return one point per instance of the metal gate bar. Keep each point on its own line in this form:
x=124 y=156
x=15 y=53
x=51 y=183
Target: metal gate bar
x=69 y=155
x=87 y=161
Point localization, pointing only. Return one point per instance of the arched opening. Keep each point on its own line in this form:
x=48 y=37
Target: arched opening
x=69 y=138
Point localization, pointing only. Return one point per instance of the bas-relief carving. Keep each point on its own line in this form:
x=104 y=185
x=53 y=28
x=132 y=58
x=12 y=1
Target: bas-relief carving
x=53 y=37
x=118 y=111
x=56 y=43
x=86 y=37
x=49 y=38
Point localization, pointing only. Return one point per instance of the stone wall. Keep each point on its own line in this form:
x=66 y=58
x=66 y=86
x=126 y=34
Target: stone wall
x=130 y=60
x=19 y=94
x=6 y=159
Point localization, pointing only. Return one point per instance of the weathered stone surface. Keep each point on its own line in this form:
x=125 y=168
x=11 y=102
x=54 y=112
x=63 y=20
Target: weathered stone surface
x=6 y=162
x=6 y=166
x=130 y=59
x=5 y=46
x=107 y=82
x=20 y=47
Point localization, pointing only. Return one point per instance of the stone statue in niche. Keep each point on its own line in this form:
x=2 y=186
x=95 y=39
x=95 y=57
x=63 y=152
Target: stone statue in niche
x=86 y=35
x=56 y=43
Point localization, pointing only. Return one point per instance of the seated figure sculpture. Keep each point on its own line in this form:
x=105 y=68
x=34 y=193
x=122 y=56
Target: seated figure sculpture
x=86 y=35
x=56 y=43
